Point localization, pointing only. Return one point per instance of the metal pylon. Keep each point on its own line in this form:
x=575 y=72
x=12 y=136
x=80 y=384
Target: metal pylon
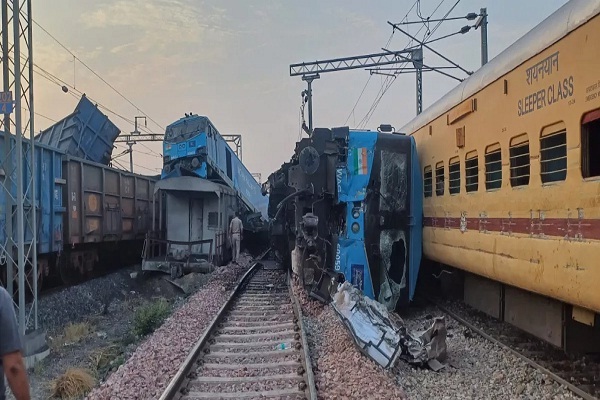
x=18 y=225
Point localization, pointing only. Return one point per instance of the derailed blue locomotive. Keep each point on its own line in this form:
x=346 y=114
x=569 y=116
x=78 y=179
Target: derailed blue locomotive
x=193 y=147
x=348 y=207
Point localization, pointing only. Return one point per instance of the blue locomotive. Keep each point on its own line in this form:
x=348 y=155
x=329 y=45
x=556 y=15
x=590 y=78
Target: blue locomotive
x=193 y=147
x=348 y=207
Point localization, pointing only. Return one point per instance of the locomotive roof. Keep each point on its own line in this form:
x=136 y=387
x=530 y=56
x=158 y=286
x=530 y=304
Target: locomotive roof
x=563 y=21
x=188 y=118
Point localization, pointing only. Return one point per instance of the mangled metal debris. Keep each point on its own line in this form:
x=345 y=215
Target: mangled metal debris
x=383 y=336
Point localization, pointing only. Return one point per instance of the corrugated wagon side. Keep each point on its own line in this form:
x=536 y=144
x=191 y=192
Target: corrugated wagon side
x=109 y=214
x=86 y=133
x=49 y=208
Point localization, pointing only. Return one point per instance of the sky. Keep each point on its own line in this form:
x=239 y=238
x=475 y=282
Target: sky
x=229 y=60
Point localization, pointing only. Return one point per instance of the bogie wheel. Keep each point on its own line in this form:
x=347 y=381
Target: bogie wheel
x=69 y=274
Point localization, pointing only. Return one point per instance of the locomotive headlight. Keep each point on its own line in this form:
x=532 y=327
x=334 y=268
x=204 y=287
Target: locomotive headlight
x=355 y=214
x=355 y=227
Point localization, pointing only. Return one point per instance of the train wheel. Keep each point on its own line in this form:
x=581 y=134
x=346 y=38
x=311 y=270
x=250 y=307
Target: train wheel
x=69 y=274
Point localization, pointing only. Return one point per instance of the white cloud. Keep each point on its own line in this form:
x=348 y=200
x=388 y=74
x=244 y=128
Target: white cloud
x=160 y=24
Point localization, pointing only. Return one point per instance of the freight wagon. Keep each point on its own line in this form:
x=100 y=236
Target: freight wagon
x=86 y=133
x=108 y=213
x=88 y=215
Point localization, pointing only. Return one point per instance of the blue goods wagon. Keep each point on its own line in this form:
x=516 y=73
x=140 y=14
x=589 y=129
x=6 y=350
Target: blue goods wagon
x=348 y=207
x=87 y=133
x=48 y=203
x=89 y=216
x=193 y=146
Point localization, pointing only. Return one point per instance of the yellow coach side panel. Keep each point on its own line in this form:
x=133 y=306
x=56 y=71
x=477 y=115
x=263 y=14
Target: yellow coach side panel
x=539 y=236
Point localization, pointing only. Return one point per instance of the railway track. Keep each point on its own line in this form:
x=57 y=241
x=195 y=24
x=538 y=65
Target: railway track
x=255 y=348
x=580 y=375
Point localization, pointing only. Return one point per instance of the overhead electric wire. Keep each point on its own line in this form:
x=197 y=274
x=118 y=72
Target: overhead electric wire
x=118 y=163
x=371 y=75
x=441 y=20
x=152 y=151
x=96 y=74
x=125 y=147
x=76 y=92
x=359 y=97
x=389 y=81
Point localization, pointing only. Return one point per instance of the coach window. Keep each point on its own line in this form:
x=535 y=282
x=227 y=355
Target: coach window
x=493 y=167
x=428 y=181
x=471 y=172
x=228 y=162
x=553 y=153
x=519 y=161
x=454 y=175
x=213 y=219
x=439 y=179
x=590 y=144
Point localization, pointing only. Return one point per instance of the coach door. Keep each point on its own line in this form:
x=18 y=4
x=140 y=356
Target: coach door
x=196 y=224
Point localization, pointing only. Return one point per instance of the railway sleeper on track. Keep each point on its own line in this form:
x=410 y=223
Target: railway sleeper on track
x=255 y=349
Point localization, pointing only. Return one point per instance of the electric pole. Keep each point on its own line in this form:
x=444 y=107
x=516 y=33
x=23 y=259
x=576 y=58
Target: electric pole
x=309 y=79
x=130 y=142
x=482 y=22
x=19 y=249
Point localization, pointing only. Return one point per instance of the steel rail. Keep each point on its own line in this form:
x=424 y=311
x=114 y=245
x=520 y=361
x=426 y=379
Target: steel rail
x=523 y=357
x=312 y=389
x=175 y=387
x=175 y=384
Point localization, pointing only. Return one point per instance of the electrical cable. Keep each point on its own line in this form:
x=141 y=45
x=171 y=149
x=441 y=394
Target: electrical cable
x=389 y=81
x=96 y=74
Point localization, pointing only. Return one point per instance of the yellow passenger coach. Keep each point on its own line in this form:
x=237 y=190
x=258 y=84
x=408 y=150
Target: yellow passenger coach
x=511 y=167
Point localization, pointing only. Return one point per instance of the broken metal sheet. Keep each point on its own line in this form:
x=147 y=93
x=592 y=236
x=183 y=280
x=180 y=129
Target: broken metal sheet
x=428 y=346
x=383 y=337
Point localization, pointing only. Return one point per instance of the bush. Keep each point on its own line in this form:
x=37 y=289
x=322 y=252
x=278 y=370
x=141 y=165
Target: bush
x=101 y=358
x=150 y=317
x=73 y=333
x=73 y=383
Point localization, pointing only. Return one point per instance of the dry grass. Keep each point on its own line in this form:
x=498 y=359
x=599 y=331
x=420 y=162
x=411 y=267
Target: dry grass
x=75 y=332
x=75 y=382
x=101 y=358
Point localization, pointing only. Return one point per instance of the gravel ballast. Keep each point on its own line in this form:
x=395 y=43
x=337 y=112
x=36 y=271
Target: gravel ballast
x=476 y=369
x=341 y=370
x=150 y=368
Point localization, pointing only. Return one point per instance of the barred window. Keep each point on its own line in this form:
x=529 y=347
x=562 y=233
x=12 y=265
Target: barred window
x=439 y=179
x=590 y=144
x=553 y=156
x=213 y=219
x=428 y=181
x=471 y=172
x=454 y=176
x=519 y=161
x=493 y=167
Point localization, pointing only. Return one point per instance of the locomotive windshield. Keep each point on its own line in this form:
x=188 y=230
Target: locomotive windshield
x=185 y=129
